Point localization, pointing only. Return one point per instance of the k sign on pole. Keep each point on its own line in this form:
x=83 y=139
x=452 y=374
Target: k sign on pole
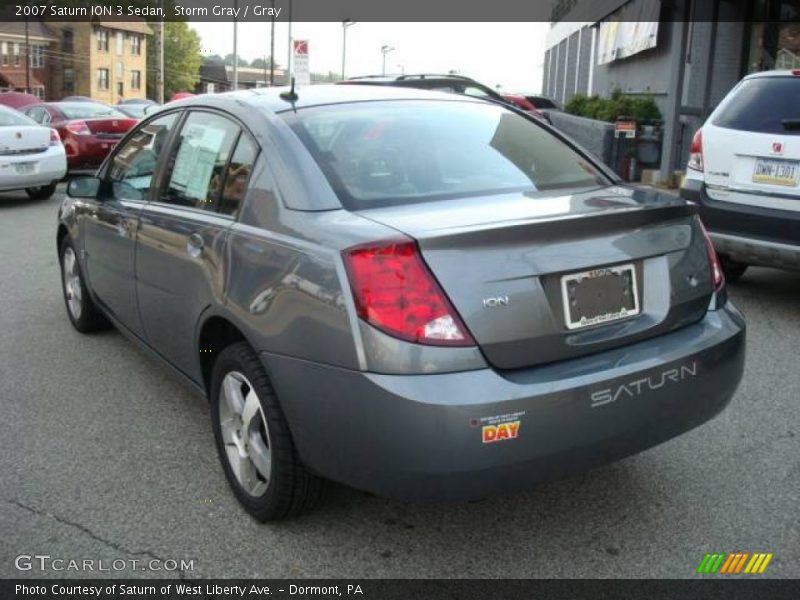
x=302 y=73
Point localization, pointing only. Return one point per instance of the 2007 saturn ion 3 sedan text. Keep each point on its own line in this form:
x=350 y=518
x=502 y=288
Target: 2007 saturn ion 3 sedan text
x=421 y=295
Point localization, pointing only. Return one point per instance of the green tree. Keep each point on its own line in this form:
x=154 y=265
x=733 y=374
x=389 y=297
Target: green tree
x=182 y=59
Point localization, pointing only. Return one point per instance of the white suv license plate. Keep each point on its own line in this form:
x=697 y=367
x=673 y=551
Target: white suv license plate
x=600 y=296
x=776 y=171
x=24 y=168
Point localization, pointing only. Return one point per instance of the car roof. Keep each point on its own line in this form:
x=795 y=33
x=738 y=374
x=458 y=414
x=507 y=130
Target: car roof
x=776 y=73
x=316 y=95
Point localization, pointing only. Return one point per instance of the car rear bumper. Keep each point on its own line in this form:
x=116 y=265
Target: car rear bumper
x=87 y=153
x=749 y=233
x=421 y=437
x=49 y=167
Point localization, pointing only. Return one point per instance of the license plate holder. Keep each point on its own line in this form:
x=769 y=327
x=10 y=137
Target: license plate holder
x=25 y=168
x=776 y=171
x=600 y=296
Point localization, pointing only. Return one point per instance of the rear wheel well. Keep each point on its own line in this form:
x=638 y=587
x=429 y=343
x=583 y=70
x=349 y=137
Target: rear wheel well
x=216 y=335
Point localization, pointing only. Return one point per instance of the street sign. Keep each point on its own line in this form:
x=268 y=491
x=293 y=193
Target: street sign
x=302 y=74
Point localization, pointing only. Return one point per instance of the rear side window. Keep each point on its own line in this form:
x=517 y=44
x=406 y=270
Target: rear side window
x=199 y=160
x=237 y=176
x=762 y=105
x=12 y=117
x=379 y=153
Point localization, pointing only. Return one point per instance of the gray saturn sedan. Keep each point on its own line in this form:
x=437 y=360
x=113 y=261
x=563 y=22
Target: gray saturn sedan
x=421 y=295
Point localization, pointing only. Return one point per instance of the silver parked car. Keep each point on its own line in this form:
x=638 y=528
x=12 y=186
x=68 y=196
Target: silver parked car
x=418 y=294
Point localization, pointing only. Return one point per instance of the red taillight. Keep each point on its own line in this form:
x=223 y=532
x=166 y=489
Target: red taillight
x=696 y=152
x=55 y=139
x=796 y=72
x=395 y=291
x=717 y=278
x=78 y=128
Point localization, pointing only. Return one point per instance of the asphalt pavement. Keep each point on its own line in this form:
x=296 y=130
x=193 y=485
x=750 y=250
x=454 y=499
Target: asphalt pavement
x=104 y=455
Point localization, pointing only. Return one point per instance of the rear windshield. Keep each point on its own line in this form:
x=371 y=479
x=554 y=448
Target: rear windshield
x=379 y=153
x=764 y=105
x=541 y=102
x=9 y=116
x=88 y=110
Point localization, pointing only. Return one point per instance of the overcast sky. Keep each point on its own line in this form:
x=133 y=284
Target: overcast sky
x=506 y=54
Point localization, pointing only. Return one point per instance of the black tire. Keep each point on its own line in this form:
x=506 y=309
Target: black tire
x=290 y=489
x=42 y=192
x=732 y=269
x=90 y=318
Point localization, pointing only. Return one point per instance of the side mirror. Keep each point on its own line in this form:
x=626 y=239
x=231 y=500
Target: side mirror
x=83 y=187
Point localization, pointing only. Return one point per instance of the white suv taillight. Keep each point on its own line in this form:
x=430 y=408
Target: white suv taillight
x=696 y=152
x=717 y=278
x=395 y=291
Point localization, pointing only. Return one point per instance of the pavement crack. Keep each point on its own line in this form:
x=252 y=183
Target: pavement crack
x=84 y=529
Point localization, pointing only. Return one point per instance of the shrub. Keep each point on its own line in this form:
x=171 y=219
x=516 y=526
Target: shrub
x=641 y=108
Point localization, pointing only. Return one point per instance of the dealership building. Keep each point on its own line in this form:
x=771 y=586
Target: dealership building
x=685 y=54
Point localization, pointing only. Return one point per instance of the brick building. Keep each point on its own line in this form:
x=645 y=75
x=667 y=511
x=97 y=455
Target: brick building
x=106 y=61
x=13 y=49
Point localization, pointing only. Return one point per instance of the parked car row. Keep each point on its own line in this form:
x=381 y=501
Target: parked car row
x=79 y=132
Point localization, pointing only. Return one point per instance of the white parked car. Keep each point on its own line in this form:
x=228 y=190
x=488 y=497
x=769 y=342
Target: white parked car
x=744 y=172
x=32 y=157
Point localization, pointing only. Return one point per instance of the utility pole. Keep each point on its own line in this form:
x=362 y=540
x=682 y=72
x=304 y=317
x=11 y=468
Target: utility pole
x=160 y=71
x=272 y=47
x=345 y=24
x=27 y=59
x=289 y=46
x=235 y=48
x=385 y=50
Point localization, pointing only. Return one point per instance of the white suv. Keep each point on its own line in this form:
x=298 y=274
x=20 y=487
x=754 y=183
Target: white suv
x=744 y=172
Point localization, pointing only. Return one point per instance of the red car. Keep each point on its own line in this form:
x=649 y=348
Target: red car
x=89 y=130
x=18 y=100
x=523 y=103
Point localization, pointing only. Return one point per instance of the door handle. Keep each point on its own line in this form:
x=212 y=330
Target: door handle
x=195 y=245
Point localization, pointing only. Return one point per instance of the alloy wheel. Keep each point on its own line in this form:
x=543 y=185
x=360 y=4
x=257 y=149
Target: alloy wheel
x=72 y=284
x=245 y=434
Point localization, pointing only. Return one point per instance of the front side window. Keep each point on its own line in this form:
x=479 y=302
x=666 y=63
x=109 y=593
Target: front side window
x=133 y=166
x=199 y=160
x=378 y=153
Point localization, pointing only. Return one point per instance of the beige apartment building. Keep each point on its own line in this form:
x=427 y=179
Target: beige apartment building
x=104 y=60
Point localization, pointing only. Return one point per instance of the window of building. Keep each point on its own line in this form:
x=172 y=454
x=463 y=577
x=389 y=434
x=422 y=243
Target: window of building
x=136 y=80
x=120 y=69
x=120 y=43
x=17 y=54
x=199 y=161
x=102 y=40
x=37 y=57
x=136 y=44
x=67 y=40
x=38 y=91
x=102 y=79
x=69 y=82
x=4 y=53
x=120 y=90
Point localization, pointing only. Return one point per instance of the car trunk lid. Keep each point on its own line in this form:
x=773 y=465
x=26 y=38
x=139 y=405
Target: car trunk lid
x=114 y=127
x=23 y=139
x=501 y=260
